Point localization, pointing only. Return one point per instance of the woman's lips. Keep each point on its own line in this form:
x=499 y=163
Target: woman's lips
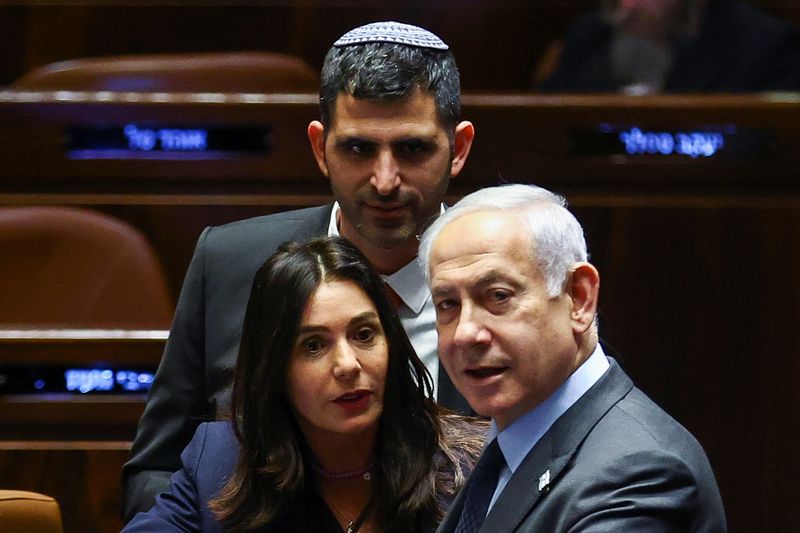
x=354 y=400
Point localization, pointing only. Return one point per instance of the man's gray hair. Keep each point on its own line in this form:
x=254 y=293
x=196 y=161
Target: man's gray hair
x=557 y=240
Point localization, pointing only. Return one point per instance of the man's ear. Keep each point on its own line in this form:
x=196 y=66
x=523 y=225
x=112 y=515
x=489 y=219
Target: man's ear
x=462 y=142
x=584 y=289
x=316 y=136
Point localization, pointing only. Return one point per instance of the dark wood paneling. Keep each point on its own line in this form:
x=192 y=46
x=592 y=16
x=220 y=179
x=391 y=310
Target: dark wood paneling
x=701 y=303
x=85 y=482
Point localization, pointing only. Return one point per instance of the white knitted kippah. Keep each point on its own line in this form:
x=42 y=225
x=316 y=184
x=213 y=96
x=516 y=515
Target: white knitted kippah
x=392 y=32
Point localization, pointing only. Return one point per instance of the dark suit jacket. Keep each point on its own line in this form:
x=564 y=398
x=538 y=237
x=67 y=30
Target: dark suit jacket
x=617 y=462
x=739 y=49
x=194 y=378
x=207 y=463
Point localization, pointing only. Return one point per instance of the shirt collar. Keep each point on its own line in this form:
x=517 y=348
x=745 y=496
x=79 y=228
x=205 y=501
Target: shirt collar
x=333 y=229
x=518 y=439
x=409 y=282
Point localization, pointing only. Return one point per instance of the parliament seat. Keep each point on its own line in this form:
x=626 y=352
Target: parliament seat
x=239 y=72
x=65 y=267
x=28 y=512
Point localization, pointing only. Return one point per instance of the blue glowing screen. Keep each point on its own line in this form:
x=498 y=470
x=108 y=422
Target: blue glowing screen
x=694 y=143
x=104 y=379
x=137 y=141
x=88 y=380
x=18 y=379
x=171 y=139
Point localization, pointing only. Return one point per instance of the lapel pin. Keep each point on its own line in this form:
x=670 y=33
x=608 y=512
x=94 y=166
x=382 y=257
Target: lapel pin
x=544 y=481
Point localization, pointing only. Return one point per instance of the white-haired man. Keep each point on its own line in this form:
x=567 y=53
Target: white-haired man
x=574 y=445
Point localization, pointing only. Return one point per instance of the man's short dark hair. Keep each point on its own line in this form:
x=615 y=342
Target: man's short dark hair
x=382 y=71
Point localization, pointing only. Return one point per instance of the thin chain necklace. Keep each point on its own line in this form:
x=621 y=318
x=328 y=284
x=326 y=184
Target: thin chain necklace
x=353 y=526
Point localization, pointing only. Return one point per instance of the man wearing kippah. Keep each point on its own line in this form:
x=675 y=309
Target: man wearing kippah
x=389 y=140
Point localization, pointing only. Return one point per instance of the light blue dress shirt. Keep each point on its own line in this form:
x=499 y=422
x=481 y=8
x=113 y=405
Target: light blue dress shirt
x=518 y=439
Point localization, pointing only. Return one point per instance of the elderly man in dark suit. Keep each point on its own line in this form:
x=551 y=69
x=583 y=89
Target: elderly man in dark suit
x=574 y=445
x=389 y=140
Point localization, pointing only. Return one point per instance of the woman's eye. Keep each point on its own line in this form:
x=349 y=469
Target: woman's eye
x=312 y=345
x=365 y=334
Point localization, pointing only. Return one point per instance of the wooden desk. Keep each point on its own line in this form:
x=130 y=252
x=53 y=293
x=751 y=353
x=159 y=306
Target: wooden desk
x=66 y=416
x=81 y=346
x=73 y=446
x=520 y=138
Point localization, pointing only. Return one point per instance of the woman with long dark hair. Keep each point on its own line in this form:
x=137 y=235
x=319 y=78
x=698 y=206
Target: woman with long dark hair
x=333 y=427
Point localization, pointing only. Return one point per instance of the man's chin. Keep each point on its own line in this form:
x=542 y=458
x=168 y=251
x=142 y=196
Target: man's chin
x=387 y=237
x=394 y=240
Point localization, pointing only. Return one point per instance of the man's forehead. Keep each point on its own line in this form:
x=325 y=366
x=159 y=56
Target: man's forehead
x=482 y=228
x=480 y=271
x=418 y=96
x=481 y=237
x=418 y=108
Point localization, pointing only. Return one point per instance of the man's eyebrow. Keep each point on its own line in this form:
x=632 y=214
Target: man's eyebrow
x=352 y=139
x=486 y=278
x=438 y=290
x=428 y=139
x=492 y=276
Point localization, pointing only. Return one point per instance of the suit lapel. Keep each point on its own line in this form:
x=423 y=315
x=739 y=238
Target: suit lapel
x=543 y=465
x=317 y=222
x=522 y=492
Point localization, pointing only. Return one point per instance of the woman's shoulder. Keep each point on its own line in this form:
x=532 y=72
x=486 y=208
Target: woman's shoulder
x=219 y=431
x=212 y=435
x=213 y=450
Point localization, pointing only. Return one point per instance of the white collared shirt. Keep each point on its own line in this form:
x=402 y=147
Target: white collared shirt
x=518 y=439
x=417 y=314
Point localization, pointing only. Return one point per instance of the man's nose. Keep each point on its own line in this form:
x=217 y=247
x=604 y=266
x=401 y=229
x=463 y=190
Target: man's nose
x=345 y=361
x=471 y=330
x=386 y=174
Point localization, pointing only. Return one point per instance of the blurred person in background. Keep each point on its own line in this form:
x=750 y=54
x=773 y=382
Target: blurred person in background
x=676 y=46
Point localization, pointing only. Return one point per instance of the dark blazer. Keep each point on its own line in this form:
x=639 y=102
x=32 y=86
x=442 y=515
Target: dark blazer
x=739 y=49
x=616 y=462
x=207 y=462
x=194 y=379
